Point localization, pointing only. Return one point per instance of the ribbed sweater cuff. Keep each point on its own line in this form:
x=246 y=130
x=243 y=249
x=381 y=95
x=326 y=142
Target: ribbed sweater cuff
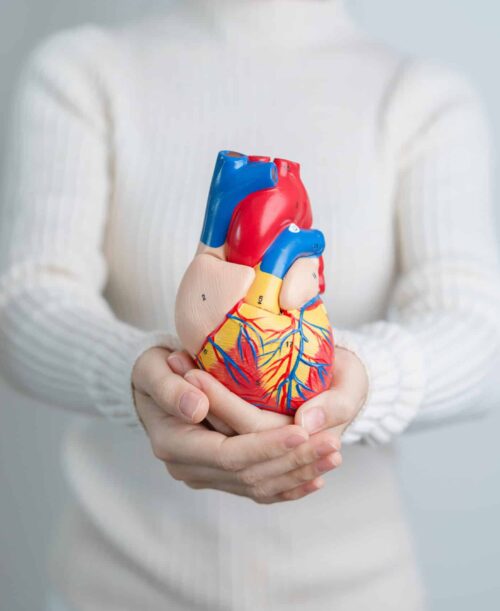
x=394 y=365
x=110 y=381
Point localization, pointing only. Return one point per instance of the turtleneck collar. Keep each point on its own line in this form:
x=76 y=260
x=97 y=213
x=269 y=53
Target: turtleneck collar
x=272 y=23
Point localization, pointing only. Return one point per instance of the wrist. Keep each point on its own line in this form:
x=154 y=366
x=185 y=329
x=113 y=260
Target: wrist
x=393 y=364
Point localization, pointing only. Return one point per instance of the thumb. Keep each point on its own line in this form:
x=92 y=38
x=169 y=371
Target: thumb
x=327 y=410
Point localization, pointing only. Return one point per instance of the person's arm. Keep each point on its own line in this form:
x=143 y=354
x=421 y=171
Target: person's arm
x=429 y=360
x=60 y=341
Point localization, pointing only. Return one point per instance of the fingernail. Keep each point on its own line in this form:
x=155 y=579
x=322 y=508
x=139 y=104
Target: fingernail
x=294 y=440
x=313 y=420
x=176 y=364
x=189 y=403
x=325 y=449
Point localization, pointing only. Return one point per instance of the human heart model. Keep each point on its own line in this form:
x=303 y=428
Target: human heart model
x=248 y=308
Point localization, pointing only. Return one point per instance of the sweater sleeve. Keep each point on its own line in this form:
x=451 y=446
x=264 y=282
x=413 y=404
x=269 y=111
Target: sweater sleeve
x=60 y=341
x=429 y=359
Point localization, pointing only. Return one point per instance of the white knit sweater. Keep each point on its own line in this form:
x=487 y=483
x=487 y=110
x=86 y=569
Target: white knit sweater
x=115 y=134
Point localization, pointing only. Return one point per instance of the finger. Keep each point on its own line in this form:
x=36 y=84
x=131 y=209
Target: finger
x=302 y=490
x=199 y=477
x=296 y=478
x=317 y=447
x=268 y=487
x=194 y=444
x=241 y=451
x=172 y=393
x=289 y=495
x=332 y=408
x=219 y=425
x=149 y=413
x=180 y=362
x=177 y=442
x=200 y=474
x=340 y=404
x=310 y=452
x=231 y=409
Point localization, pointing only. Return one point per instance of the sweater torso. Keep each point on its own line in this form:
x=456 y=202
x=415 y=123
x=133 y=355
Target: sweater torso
x=323 y=107
x=173 y=106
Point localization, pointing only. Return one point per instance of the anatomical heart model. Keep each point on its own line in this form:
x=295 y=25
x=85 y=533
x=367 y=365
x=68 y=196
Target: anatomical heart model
x=248 y=308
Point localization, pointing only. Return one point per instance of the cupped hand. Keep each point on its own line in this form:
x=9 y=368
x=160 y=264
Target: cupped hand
x=337 y=407
x=332 y=410
x=228 y=413
x=274 y=464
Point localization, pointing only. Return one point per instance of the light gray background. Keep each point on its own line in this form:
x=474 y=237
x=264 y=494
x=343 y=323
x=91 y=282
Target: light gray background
x=450 y=476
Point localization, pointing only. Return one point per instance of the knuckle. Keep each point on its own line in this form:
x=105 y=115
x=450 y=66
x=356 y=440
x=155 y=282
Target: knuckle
x=342 y=408
x=289 y=495
x=194 y=485
x=285 y=496
x=248 y=477
x=140 y=371
x=264 y=455
x=226 y=460
x=296 y=479
x=259 y=493
x=161 y=391
x=160 y=449
x=303 y=475
x=299 y=457
x=174 y=471
x=273 y=451
x=157 y=451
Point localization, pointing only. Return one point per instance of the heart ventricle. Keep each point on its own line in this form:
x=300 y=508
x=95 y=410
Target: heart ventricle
x=275 y=361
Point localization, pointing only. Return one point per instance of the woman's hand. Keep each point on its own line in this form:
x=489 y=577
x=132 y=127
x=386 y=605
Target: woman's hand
x=242 y=417
x=337 y=407
x=333 y=409
x=275 y=464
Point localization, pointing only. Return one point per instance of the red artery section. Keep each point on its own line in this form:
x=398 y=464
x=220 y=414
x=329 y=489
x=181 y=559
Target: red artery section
x=261 y=216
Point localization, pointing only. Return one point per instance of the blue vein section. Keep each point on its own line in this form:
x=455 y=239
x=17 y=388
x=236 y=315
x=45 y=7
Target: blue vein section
x=270 y=350
x=233 y=179
x=229 y=362
x=291 y=244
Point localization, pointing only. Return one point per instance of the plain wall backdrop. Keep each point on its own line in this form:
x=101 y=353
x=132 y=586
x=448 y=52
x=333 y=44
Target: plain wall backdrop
x=450 y=475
